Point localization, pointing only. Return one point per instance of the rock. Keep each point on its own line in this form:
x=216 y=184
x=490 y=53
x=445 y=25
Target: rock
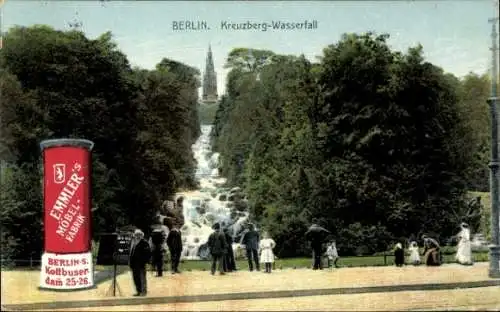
x=235 y=190
x=201 y=210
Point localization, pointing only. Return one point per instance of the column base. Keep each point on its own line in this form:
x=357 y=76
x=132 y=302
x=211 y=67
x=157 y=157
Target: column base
x=494 y=254
x=67 y=271
x=494 y=273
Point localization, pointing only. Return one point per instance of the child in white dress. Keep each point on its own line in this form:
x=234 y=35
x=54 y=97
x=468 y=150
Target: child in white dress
x=464 y=249
x=414 y=253
x=332 y=254
x=266 y=246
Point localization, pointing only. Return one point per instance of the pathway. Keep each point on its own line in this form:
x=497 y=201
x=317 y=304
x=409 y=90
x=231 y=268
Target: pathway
x=292 y=289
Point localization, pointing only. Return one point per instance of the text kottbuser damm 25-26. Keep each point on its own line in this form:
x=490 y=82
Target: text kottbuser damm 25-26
x=58 y=275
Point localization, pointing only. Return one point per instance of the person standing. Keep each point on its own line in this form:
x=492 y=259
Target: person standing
x=229 y=263
x=332 y=254
x=217 y=245
x=174 y=243
x=140 y=253
x=399 y=255
x=157 y=244
x=414 y=253
x=464 y=248
x=316 y=235
x=267 y=245
x=251 y=241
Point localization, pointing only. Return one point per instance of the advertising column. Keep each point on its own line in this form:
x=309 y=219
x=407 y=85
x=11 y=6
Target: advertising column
x=67 y=258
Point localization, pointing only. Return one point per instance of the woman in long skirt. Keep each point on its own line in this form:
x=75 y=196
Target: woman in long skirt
x=399 y=255
x=266 y=247
x=464 y=252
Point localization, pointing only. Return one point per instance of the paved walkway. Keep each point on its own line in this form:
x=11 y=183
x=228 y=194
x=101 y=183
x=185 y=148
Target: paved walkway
x=189 y=290
x=460 y=299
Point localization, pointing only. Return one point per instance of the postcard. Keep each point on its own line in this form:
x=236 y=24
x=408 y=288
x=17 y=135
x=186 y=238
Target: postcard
x=249 y=155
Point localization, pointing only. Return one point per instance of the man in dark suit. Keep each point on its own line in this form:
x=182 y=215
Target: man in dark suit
x=140 y=253
x=229 y=263
x=174 y=243
x=251 y=241
x=217 y=245
x=157 y=241
x=316 y=235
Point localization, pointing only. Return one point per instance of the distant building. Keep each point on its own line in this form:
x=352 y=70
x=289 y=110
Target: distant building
x=209 y=95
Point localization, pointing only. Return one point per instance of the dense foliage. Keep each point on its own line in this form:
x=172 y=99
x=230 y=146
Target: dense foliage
x=143 y=122
x=378 y=145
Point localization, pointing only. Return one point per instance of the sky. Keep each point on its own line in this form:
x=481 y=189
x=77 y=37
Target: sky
x=455 y=34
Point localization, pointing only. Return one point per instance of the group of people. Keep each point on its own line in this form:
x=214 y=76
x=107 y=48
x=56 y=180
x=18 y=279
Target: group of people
x=317 y=235
x=142 y=251
x=432 y=254
x=432 y=250
x=165 y=234
x=260 y=251
x=220 y=246
x=168 y=235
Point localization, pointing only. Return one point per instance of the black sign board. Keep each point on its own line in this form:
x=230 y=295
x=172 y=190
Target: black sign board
x=123 y=242
x=114 y=246
x=107 y=245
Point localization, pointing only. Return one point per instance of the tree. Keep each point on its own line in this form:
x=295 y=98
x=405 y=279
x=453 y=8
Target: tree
x=62 y=84
x=369 y=141
x=21 y=213
x=248 y=60
x=474 y=91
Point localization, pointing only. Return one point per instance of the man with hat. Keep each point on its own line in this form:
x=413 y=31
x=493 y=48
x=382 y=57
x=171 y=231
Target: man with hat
x=140 y=253
x=229 y=263
x=251 y=241
x=217 y=245
x=174 y=243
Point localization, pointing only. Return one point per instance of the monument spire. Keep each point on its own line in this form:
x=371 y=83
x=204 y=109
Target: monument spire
x=76 y=24
x=209 y=80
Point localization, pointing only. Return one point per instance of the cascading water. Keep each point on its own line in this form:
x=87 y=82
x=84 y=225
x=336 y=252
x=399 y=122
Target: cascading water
x=210 y=204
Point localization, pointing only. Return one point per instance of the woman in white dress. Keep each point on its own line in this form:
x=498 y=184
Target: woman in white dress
x=414 y=253
x=266 y=246
x=464 y=252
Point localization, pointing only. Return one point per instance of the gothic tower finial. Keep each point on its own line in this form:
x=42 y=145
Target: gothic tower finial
x=76 y=24
x=209 y=79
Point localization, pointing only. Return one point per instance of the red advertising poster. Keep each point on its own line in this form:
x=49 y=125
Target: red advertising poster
x=67 y=259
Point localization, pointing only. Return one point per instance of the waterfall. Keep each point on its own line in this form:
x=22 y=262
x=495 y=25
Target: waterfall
x=210 y=204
